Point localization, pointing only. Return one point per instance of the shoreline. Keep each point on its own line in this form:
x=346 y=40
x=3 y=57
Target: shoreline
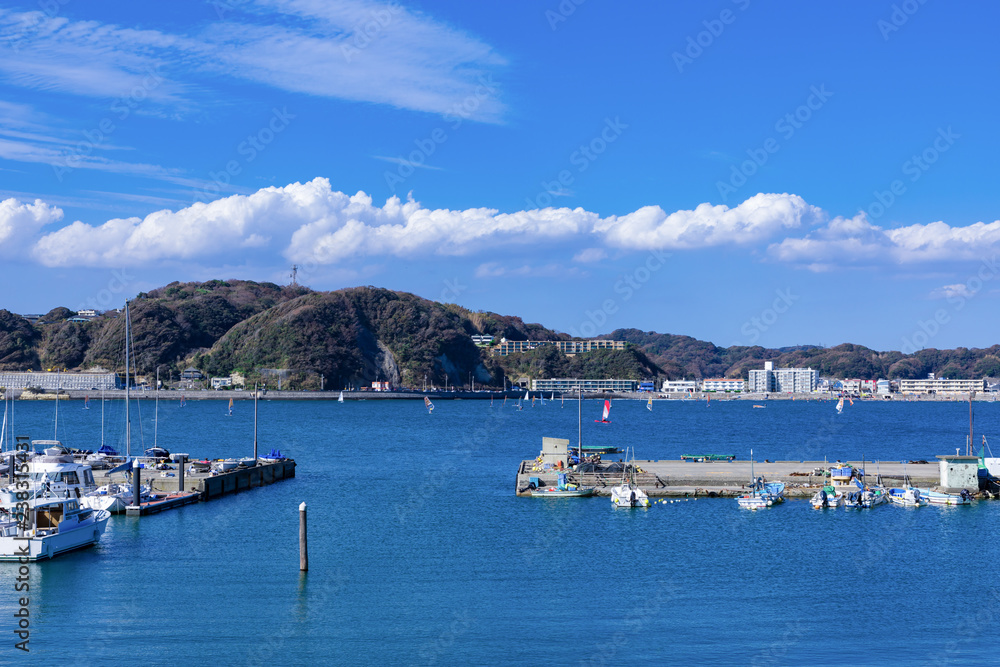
x=311 y=395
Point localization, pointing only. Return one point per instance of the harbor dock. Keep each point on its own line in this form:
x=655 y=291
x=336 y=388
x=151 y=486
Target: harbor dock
x=723 y=478
x=205 y=485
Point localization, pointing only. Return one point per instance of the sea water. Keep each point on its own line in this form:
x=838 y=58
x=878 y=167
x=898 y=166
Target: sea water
x=420 y=553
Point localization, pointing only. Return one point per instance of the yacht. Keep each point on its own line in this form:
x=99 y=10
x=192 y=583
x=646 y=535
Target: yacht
x=51 y=527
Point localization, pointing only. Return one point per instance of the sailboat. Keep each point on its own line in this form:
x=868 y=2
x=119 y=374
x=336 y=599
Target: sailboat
x=628 y=493
x=230 y=413
x=428 y=405
x=183 y=402
x=340 y=399
x=762 y=494
x=649 y=404
x=607 y=412
x=86 y=402
x=840 y=405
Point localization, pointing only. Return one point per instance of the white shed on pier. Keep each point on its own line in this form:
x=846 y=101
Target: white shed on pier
x=959 y=472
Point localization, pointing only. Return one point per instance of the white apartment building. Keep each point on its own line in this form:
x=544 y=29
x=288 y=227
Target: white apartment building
x=783 y=380
x=859 y=386
x=941 y=386
x=722 y=384
x=679 y=386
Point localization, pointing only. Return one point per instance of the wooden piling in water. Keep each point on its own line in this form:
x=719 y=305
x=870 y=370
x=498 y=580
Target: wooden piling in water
x=303 y=550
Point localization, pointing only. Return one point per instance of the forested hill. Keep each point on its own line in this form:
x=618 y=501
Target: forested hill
x=361 y=334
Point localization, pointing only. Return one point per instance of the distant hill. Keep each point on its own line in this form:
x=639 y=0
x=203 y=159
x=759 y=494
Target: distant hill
x=357 y=335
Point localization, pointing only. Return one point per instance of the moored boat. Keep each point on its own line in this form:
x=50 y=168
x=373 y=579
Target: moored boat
x=828 y=496
x=50 y=528
x=628 y=493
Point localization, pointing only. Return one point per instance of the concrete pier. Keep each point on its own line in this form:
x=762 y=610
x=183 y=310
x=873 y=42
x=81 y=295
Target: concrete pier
x=208 y=486
x=727 y=478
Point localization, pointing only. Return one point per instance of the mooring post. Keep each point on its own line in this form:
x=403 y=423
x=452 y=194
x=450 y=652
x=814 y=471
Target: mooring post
x=136 y=481
x=181 y=459
x=303 y=551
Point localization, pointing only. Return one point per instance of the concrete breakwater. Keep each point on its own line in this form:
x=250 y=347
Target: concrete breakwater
x=209 y=486
x=687 y=478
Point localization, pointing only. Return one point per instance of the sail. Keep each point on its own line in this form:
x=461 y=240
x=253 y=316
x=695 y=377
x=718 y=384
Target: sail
x=86 y=402
x=183 y=402
x=430 y=406
x=840 y=405
x=607 y=410
x=340 y=399
x=525 y=394
x=649 y=404
x=230 y=407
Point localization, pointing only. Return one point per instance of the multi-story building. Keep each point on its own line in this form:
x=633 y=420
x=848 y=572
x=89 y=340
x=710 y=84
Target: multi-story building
x=783 y=380
x=722 y=384
x=567 y=347
x=572 y=384
x=859 y=386
x=934 y=385
x=482 y=341
x=54 y=381
x=679 y=386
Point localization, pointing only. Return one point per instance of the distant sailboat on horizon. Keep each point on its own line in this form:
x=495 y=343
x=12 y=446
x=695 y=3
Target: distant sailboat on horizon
x=340 y=399
x=86 y=402
x=649 y=404
x=183 y=402
x=840 y=405
x=230 y=413
x=429 y=405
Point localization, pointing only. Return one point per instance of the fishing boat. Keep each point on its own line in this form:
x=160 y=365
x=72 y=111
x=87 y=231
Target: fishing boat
x=941 y=498
x=762 y=494
x=563 y=489
x=50 y=528
x=428 y=405
x=628 y=493
x=907 y=496
x=607 y=413
x=828 y=496
x=866 y=496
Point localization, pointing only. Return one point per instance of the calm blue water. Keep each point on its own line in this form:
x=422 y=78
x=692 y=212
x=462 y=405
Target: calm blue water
x=421 y=554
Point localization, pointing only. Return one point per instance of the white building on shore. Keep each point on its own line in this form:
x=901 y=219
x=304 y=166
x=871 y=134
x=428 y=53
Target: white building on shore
x=572 y=384
x=722 y=384
x=679 y=386
x=53 y=381
x=933 y=385
x=783 y=380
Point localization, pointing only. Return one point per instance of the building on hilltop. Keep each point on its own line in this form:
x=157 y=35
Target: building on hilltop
x=783 y=380
x=567 y=347
x=482 y=341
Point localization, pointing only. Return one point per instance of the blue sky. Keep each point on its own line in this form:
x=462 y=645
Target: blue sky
x=738 y=171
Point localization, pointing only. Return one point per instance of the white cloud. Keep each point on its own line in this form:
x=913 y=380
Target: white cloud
x=948 y=291
x=498 y=270
x=354 y=50
x=590 y=255
x=855 y=241
x=755 y=220
x=19 y=223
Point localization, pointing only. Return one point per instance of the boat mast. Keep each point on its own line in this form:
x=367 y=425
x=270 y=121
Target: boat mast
x=156 y=407
x=55 y=435
x=968 y=446
x=128 y=421
x=254 y=421
x=102 y=417
x=579 y=423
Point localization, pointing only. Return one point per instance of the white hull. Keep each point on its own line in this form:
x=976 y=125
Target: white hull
x=907 y=498
x=626 y=496
x=947 y=499
x=38 y=546
x=111 y=504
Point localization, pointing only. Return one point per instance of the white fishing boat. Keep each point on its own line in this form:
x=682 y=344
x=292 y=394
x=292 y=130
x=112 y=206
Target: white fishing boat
x=762 y=494
x=50 y=528
x=866 y=496
x=628 y=493
x=828 y=496
x=907 y=496
x=942 y=498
